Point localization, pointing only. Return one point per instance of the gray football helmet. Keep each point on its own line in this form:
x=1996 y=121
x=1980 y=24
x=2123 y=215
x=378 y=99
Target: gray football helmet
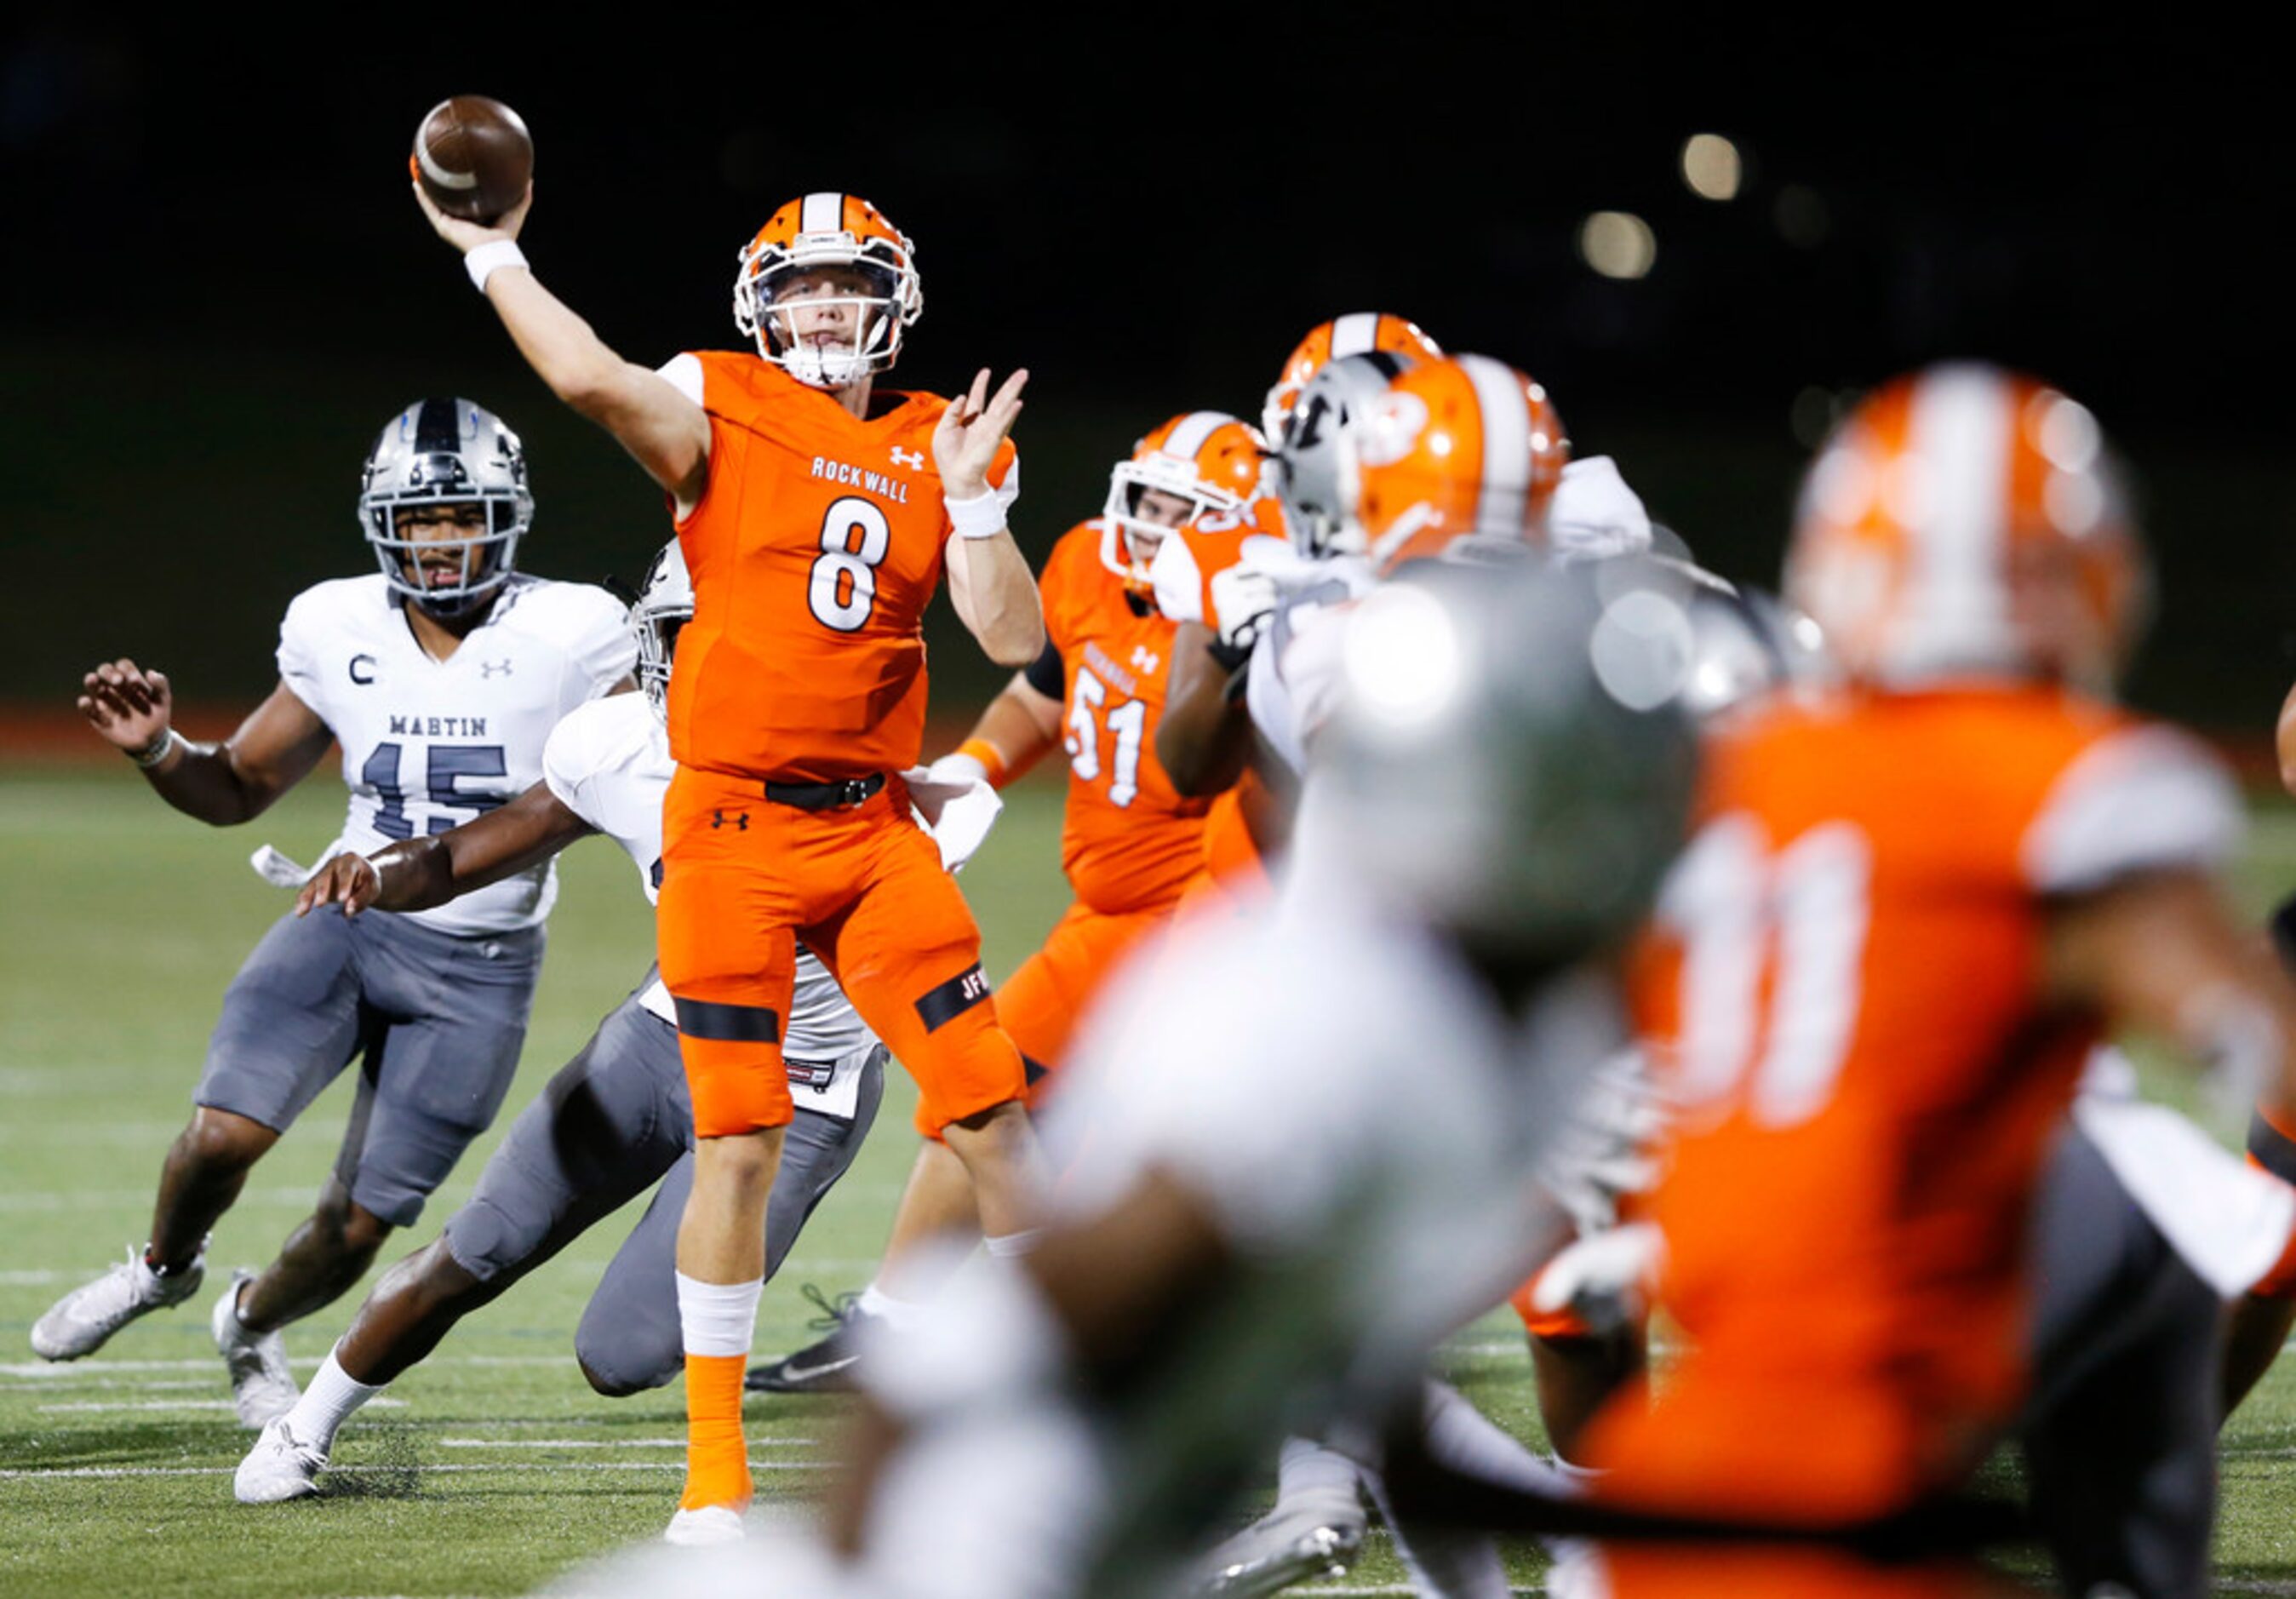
x=446 y=452
x=1510 y=759
x=1312 y=471
x=665 y=605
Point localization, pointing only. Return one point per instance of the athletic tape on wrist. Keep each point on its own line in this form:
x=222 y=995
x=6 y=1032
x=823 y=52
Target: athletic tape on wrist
x=480 y=263
x=980 y=517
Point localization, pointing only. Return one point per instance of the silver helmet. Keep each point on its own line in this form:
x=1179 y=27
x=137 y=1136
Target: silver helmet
x=1312 y=471
x=445 y=452
x=1510 y=759
x=665 y=603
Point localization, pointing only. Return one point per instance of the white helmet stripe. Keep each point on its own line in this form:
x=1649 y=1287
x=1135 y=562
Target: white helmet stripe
x=1355 y=335
x=1950 y=491
x=821 y=213
x=1506 y=443
x=1192 y=431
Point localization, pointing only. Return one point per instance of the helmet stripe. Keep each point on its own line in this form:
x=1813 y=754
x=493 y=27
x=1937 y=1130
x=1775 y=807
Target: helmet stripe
x=1355 y=335
x=1948 y=491
x=823 y=212
x=1506 y=443
x=438 y=430
x=1193 y=431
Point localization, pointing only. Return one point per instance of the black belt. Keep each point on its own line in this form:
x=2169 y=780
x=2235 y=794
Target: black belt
x=843 y=794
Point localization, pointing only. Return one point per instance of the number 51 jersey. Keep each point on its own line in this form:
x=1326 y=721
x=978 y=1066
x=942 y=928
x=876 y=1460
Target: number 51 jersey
x=428 y=744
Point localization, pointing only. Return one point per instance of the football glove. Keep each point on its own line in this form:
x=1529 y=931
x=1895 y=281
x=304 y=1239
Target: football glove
x=955 y=801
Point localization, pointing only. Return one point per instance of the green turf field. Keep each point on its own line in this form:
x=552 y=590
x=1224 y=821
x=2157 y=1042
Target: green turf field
x=492 y=1466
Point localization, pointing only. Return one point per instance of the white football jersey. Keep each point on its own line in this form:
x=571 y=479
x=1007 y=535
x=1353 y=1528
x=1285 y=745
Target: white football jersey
x=609 y=763
x=1291 y=681
x=1361 y=1122
x=429 y=744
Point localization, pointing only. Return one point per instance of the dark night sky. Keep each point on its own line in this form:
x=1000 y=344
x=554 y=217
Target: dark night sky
x=215 y=286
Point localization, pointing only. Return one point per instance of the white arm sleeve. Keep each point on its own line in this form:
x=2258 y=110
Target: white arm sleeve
x=2142 y=799
x=683 y=372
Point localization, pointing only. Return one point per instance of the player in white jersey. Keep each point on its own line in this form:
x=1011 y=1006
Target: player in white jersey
x=615 y=1120
x=440 y=676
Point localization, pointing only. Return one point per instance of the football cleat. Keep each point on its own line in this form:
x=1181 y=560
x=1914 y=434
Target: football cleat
x=262 y=1388
x=280 y=1467
x=1288 y=1544
x=710 y=1524
x=79 y=1323
x=824 y=1366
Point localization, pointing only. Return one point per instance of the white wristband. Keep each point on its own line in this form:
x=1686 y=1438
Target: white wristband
x=980 y=517
x=480 y=263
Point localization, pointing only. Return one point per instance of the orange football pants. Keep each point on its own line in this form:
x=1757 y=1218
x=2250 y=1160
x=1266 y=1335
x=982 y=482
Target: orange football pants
x=1041 y=1003
x=1729 y=1572
x=743 y=878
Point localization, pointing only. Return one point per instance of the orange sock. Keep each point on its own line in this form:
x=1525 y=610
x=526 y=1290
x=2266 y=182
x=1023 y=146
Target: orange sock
x=717 y=1457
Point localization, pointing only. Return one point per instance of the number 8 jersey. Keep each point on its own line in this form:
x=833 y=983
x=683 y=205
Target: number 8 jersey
x=428 y=744
x=814 y=549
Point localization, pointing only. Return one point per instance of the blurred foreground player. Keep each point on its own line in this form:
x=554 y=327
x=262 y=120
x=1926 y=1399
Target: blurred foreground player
x=1265 y=1239
x=818 y=516
x=440 y=676
x=614 y=1122
x=1129 y=844
x=1906 y=915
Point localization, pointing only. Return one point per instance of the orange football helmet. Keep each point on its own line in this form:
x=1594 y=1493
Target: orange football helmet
x=1967 y=520
x=1459 y=448
x=1357 y=333
x=1208 y=458
x=830 y=230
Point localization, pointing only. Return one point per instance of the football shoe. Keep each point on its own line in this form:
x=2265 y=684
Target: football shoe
x=79 y=1323
x=262 y=1388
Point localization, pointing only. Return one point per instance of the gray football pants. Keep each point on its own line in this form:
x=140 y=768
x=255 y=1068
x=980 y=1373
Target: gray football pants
x=2119 y=1441
x=612 y=1122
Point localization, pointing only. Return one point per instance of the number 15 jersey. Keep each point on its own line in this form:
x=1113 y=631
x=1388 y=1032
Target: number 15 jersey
x=815 y=547
x=429 y=744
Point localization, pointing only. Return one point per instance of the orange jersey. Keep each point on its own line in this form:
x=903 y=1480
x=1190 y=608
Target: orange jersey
x=1129 y=841
x=816 y=544
x=1843 y=991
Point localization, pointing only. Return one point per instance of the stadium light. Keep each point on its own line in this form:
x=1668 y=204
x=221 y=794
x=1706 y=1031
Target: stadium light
x=1617 y=244
x=1711 y=167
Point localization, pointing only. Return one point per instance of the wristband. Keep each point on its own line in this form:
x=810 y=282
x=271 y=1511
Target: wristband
x=992 y=761
x=151 y=754
x=482 y=262
x=980 y=517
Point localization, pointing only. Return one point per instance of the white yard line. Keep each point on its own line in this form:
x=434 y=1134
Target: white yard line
x=101 y=1406
x=18 y=1474
x=604 y=1443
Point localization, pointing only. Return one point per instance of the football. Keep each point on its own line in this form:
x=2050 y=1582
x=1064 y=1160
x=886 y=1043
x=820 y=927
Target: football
x=473 y=157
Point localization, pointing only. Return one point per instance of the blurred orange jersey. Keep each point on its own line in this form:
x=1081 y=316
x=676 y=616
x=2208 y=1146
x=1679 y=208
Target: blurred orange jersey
x=1843 y=991
x=1127 y=840
x=815 y=547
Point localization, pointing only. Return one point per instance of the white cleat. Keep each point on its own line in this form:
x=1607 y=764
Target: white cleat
x=710 y=1524
x=79 y=1323
x=262 y=1388
x=1288 y=1544
x=280 y=1467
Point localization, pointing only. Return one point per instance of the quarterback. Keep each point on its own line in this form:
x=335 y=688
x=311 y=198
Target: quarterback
x=818 y=515
x=440 y=676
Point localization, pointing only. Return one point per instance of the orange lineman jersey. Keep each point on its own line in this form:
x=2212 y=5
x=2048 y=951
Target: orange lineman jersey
x=818 y=543
x=1129 y=841
x=1843 y=993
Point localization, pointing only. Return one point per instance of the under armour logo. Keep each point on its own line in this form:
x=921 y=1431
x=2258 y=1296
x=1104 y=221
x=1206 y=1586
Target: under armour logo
x=1144 y=660
x=909 y=458
x=488 y=669
x=738 y=821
